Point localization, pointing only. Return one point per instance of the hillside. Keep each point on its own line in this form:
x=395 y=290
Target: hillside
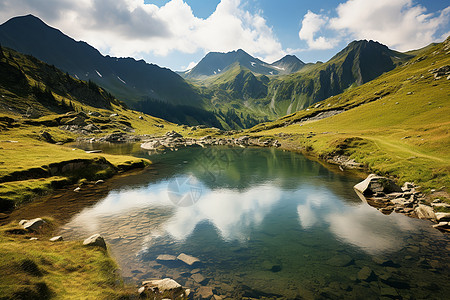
x=43 y=108
x=243 y=90
x=397 y=124
x=147 y=87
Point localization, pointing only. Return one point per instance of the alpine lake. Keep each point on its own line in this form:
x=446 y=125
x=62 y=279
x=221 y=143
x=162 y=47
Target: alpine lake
x=265 y=224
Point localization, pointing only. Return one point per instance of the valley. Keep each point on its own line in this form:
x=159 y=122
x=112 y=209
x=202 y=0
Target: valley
x=72 y=123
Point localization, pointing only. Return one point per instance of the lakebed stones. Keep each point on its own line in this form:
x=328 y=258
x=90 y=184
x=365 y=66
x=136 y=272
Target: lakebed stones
x=95 y=240
x=56 y=239
x=366 y=274
x=188 y=259
x=342 y=260
x=205 y=292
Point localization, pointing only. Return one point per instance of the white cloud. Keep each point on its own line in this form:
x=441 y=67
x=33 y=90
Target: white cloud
x=312 y=23
x=399 y=24
x=132 y=28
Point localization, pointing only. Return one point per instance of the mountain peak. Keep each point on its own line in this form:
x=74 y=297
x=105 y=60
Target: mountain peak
x=289 y=64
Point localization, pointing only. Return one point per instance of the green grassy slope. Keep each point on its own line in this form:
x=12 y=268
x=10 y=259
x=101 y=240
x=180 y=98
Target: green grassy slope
x=397 y=124
x=34 y=98
x=275 y=96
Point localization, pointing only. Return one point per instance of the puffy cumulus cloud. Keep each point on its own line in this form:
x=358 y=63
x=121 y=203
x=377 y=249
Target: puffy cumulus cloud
x=397 y=23
x=312 y=23
x=400 y=24
x=133 y=28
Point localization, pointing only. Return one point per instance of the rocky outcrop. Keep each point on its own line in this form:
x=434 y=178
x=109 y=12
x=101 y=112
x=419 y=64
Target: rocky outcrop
x=173 y=141
x=377 y=185
x=383 y=194
x=95 y=240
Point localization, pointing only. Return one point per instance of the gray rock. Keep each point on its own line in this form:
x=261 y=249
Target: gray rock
x=366 y=274
x=205 y=292
x=95 y=240
x=91 y=128
x=164 y=285
x=441 y=216
x=425 y=212
x=377 y=184
x=188 y=259
x=33 y=224
x=440 y=205
x=173 y=134
x=45 y=135
x=166 y=257
x=56 y=239
x=199 y=278
x=341 y=260
x=441 y=225
x=77 y=189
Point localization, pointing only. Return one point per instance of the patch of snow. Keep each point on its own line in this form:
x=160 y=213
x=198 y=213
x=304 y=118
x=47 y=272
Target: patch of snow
x=121 y=80
x=188 y=71
x=396 y=57
x=215 y=72
x=76 y=76
x=253 y=63
x=98 y=73
x=219 y=70
x=283 y=69
x=271 y=72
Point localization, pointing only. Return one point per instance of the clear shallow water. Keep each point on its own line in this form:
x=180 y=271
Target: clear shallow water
x=265 y=224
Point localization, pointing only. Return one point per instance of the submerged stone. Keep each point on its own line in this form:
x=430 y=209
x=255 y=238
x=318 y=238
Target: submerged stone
x=342 y=260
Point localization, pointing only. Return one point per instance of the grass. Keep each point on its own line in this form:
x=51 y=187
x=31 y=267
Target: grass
x=396 y=125
x=41 y=269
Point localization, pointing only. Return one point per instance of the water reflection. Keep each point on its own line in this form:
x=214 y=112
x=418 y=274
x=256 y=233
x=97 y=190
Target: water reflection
x=268 y=210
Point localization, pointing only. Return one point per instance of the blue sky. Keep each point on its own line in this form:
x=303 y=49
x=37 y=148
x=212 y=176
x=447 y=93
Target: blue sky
x=177 y=33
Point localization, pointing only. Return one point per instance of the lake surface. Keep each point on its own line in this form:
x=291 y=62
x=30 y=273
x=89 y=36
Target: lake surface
x=265 y=224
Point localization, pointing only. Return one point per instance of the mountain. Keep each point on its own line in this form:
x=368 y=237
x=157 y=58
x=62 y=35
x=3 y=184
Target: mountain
x=289 y=64
x=240 y=88
x=358 y=63
x=139 y=84
x=215 y=63
x=396 y=125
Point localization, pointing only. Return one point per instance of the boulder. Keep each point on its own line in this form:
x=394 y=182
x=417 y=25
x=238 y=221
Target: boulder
x=56 y=239
x=95 y=240
x=33 y=225
x=376 y=184
x=188 y=259
x=441 y=216
x=78 y=120
x=45 y=135
x=173 y=134
x=425 y=212
x=91 y=128
x=166 y=286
